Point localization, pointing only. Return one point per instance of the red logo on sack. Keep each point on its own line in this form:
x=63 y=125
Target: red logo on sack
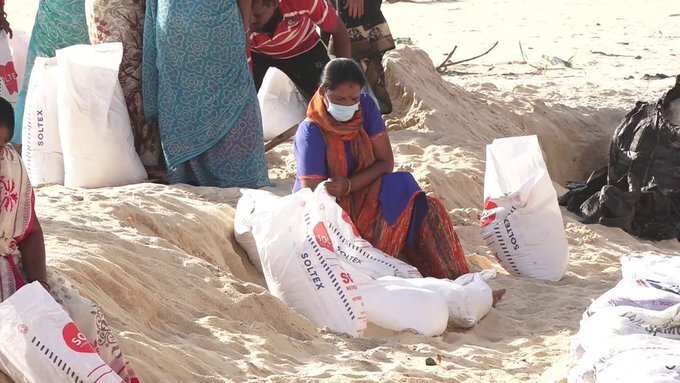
x=488 y=216
x=9 y=76
x=346 y=278
x=346 y=218
x=322 y=237
x=76 y=340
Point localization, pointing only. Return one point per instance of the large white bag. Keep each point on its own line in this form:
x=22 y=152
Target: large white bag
x=19 y=46
x=398 y=307
x=654 y=268
x=600 y=328
x=40 y=343
x=93 y=119
x=302 y=269
x=251 y=203
x=42 y=152
x=281 y=103
x=366 y=260
x=630 y=359
x=632 y=332
x=522 y=223
x=9 y=86
x=354 y=249
x=425 y=305
x=469 y=298
x=636 y=294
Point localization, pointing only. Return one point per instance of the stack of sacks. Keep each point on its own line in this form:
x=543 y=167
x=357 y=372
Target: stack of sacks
x=76 y=125
x=314 y=260
x=632 y=332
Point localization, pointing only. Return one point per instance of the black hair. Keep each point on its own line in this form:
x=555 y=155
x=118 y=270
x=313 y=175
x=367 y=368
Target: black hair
x=340 y=71
x=7 y=115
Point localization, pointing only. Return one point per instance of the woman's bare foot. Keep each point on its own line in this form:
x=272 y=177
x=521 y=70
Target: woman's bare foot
x=497 y=296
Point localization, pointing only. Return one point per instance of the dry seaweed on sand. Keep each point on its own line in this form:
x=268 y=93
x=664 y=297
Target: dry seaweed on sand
x=447 y=63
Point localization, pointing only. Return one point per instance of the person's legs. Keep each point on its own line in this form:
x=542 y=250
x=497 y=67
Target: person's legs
x=437 y=251
x=261 y=63
x=375 y=74
x=236 y=160
x=305 y=70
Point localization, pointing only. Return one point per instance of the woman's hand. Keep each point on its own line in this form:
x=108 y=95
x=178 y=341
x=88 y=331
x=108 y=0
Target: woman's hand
x=33 y=255
x=338 y=187
x=355 y=8
x=384 y=164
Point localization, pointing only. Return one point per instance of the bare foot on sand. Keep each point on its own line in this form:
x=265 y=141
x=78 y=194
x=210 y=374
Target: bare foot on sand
x=497 y=296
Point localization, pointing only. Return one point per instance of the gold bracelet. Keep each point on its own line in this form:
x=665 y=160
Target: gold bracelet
x=349 y=187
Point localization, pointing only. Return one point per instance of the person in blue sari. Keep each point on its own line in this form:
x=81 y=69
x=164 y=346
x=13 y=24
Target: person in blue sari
x=198 y=88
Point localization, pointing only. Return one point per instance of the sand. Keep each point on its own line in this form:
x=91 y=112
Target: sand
x=188 y=307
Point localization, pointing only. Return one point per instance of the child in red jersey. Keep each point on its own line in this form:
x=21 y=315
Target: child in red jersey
x=283 y=34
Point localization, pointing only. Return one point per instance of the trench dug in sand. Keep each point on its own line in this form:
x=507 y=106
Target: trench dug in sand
x=188 y=307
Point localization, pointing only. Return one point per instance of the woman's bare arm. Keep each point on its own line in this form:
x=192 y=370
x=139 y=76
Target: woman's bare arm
x=341 y=44
x=245 y=6
x=32 y=251
x=384 y=164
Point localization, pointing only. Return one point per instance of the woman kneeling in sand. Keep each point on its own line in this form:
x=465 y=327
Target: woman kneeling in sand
x=22 y=249
x=344 y=139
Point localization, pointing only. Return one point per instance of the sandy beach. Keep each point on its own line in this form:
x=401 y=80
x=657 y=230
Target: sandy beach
x=163 y=264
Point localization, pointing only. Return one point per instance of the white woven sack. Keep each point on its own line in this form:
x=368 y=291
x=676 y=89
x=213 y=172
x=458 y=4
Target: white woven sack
x=301 y=267
x=40 y=342
x=522 y=223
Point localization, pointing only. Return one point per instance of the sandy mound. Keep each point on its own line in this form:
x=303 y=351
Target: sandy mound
x=162 y=262
x=613 y=49
x=452 y=125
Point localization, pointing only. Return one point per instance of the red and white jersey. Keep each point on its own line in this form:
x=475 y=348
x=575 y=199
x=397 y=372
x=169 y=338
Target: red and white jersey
x=296 y=33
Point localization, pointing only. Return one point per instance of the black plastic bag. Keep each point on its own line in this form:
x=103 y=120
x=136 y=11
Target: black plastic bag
x=642 y=190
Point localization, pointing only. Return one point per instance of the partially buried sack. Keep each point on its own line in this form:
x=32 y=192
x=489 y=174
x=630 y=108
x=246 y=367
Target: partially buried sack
x=93 y=119
x=301 y=268
x=40 y=342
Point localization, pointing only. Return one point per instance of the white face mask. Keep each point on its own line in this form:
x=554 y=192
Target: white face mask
x=342 y=113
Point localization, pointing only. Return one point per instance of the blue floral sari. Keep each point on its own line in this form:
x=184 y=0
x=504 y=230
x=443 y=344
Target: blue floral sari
x=197 y=86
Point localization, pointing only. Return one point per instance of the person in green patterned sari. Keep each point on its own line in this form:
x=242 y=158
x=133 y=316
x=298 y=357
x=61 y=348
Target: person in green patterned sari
x=58 y=24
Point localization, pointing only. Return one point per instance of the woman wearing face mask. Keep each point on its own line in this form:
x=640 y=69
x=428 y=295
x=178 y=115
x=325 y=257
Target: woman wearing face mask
x=343 y=139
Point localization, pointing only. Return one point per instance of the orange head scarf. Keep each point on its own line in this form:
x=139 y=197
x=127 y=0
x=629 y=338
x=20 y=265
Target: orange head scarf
x=337 y=133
